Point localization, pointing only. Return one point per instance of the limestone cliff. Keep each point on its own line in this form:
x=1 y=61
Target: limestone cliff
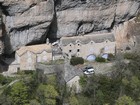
x=32 y=21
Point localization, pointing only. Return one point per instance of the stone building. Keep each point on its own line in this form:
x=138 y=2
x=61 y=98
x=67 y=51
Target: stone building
x=83 y=46
x=28 y=56
x=57 y=52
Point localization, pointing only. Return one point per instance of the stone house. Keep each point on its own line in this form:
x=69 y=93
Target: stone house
x=83 y=46
x=72 y=77
x=68 y=74
x=57 y=52
x=28 y=56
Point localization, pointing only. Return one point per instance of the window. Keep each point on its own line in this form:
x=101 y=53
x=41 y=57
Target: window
x=128 y=48
x=18 y=69
x=78 y=44
x=78 y=50
x=70 y=50
x=84 y=1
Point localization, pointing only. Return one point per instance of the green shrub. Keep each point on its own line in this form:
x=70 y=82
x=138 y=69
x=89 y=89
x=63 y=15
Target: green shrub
x=83 y=81
x=4 y=80
x=100 y=59
x=110 y=57
x=76 y=60
x=130 y=56
x=138 y=18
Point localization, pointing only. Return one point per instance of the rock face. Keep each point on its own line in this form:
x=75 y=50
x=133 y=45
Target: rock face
x=32 y=21
x=26 y=22
x=1 y=36
x=76 y=17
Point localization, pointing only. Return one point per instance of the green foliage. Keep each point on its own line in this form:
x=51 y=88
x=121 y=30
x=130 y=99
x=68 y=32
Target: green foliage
x=34 y=102
x=138 y=17
x=111 y=57
x=100 y=59
x=19 y=93
x=5 y=100
x=76 y=60
x=4 y=80
x=51 y=80
x=47 y=94
x=130 y=56
x=82 y=100
x=73 y=100
x=40 y=89
x=125 y=100
x=83 y=81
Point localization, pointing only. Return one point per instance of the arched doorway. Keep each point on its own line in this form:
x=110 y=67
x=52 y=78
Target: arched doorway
x=105 y=56
x=91 y=57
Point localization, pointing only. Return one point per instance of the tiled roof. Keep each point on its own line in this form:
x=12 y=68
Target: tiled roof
x=97 y=38
x=35 y=49
x=71 y=72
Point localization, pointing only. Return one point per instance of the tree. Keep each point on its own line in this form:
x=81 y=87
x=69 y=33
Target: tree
x=73 y=100
x=100 y=59
x=47 y=94
x=34 y=102
x=76 y=60
x=19 y=93
x=125 y=100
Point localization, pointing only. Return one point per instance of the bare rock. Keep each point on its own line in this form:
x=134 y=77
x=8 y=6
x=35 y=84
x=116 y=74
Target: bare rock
x=26 y=22
x=75 y=17
x=31 y=21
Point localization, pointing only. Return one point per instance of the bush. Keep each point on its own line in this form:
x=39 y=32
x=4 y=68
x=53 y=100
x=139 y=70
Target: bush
x=100 y=59
x=83 y=81
x=76 y=60
x=110 y=57
x=4 y=80
x=130 y=56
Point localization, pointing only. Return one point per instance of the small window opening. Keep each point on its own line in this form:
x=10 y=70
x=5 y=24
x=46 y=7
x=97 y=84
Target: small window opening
x=83 y=1
x=70 y=50
x=78 y=50
x=128 y=48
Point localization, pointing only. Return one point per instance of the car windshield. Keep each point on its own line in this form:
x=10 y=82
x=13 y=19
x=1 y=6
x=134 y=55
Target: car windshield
x=89 y=68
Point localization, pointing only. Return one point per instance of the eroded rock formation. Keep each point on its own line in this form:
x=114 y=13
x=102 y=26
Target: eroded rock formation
x=76 y=17
x=1 y=35
x=26 y=21
x=32 y=21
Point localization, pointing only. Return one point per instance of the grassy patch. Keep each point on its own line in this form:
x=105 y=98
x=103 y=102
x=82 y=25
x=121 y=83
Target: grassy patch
x=100 y=59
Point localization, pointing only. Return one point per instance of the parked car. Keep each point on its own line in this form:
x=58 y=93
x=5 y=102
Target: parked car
x=88 y=70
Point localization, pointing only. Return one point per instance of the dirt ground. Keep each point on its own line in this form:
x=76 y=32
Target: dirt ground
x=100 y=68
